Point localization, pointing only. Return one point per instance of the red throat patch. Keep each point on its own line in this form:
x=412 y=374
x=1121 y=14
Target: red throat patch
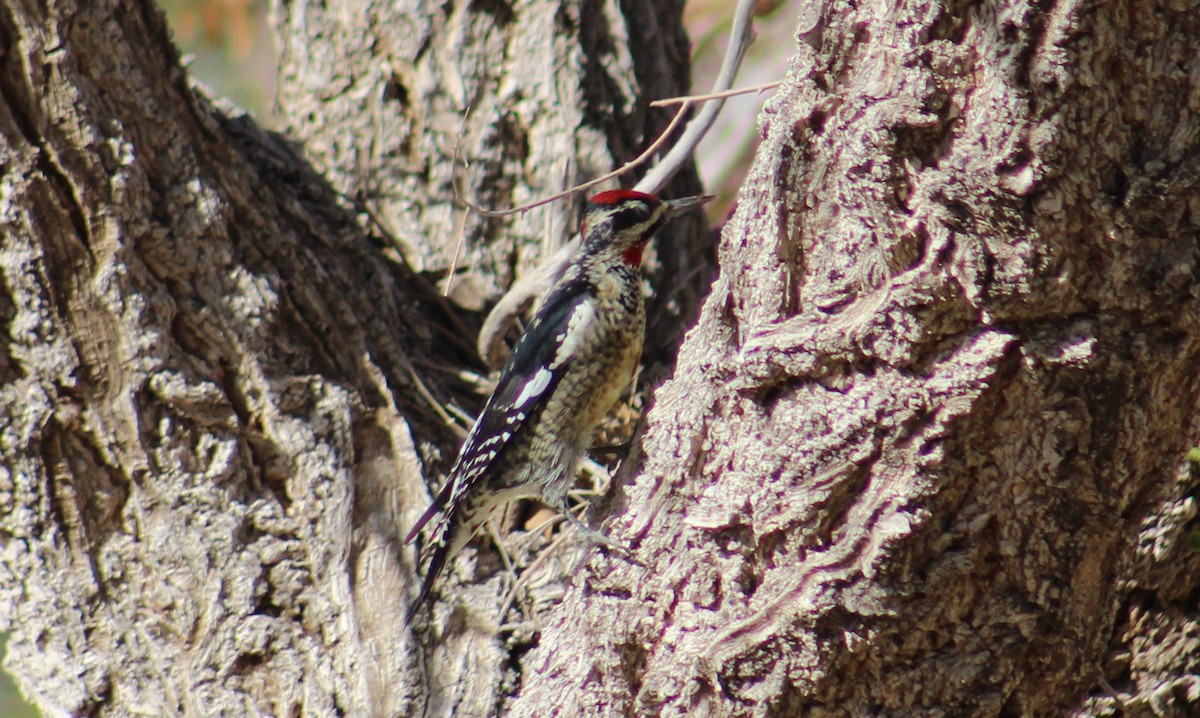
x=633 y=255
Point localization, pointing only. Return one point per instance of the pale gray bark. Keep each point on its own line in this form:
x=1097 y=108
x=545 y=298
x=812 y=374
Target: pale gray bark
x=205 y=368
x=918 y=455
x=220 y=401
x=952 y=358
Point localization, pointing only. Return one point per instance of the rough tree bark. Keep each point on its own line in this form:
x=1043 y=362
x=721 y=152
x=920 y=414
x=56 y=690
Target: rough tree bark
x=950 y=362
x=917 y=456
x=222 y=405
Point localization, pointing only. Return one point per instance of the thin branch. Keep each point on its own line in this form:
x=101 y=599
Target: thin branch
x=764 y=87
x=740 y=38
x=639 y=160
x=427 y=395
x=523 y=579
x=462 y=230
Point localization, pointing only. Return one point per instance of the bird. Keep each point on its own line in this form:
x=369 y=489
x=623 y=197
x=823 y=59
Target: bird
x=565 y=373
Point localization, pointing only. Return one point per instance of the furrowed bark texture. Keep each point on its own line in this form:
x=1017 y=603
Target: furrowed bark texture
x=918 y=456
x=221 y=406
x=204 y=371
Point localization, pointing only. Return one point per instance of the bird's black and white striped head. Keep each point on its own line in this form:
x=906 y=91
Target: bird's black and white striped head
x=621 y=221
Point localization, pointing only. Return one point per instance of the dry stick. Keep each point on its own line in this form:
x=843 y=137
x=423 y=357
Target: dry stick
x=686 y=145
x=687 y=101
x=425 y=394
x=523 y=579
x=462 y=231
x=504 y=557
x=639 y=160
x=717 y=95
x=739 y=40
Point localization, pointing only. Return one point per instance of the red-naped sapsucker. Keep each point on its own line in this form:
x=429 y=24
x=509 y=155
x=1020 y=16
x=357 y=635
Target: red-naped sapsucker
x=564 y=374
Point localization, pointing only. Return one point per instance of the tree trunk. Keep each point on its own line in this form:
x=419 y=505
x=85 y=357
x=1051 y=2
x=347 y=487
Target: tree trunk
x=950 y=362
x=917 y=456
x=222 y=404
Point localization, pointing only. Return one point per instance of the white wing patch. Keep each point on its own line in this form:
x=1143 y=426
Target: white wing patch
x=532 y=390
x=573 y=335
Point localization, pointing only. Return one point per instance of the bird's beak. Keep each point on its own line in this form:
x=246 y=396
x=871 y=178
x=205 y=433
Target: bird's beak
x=676 y=207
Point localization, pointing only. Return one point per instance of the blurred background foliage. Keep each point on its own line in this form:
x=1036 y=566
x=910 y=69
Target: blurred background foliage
x=228 y=47
x=12 y=704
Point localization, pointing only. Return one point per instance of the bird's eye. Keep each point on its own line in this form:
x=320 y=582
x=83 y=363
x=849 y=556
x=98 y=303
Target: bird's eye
x=632 y=214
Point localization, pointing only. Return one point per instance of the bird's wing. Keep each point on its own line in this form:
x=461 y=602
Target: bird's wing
x=533 y=370
x=537 y=363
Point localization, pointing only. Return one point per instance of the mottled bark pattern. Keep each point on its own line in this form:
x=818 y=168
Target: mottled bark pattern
x=918 y=457
x=220 y=403
x=948 y=365
x=204 y=368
